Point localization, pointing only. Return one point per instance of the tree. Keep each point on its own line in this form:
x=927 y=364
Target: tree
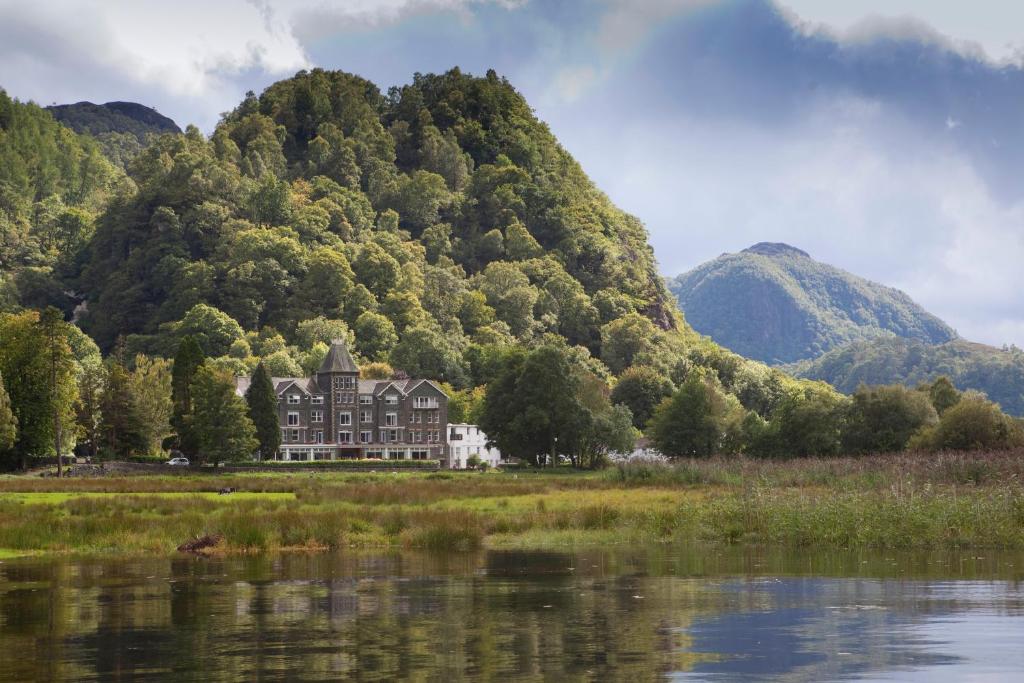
x=627 y=340
x=261 y=397
x=8 y=421
x=88 y=410
x=220 y=419
x=375 y=335
x=376 y=371
x=882 y=419
x=641 y=389
x=60 y=385
x=807 y=422
x=212 y=329
x=151 y=390
x=425 y=352
x=121 y=428
x=943 y=394
x=973 y=423
x=684 y=425
x=543 y=403
x=187 y=362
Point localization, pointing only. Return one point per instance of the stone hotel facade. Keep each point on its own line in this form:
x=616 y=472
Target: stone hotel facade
x=335 y=415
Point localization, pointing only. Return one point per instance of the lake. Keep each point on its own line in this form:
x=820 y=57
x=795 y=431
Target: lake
x=664 y=613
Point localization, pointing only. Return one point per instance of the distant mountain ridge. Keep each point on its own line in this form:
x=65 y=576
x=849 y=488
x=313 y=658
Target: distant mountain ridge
x=773 y=302
x=113 y=117
x=997 y=372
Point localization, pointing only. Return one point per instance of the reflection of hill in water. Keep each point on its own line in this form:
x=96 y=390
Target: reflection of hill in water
x=596 y=615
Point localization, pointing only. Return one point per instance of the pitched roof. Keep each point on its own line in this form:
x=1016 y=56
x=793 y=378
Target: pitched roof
x=338 y=359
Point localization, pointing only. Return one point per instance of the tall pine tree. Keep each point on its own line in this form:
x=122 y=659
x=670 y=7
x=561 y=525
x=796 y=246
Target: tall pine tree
x=187 y=362
x=8 y=422
x=262 y=401
x=121 y=429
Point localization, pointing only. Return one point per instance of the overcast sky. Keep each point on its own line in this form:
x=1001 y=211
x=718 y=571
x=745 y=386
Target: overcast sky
x=883 y=136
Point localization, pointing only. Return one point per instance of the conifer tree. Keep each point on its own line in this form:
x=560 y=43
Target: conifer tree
x=8 y=422
x=262 y=401
x=220 y=421
x=121 y=429
x=187 y=362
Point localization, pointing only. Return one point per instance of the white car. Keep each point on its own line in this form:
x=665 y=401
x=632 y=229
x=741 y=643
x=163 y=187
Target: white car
x=179 y=462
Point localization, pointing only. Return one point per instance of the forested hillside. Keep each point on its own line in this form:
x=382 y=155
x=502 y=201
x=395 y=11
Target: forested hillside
x=53 y=184
x=433 y=222
x=121 y=128
x=774 y=303
x=998 y=373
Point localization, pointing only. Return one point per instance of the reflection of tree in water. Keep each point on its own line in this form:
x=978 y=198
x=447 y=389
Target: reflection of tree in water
x=494 y=616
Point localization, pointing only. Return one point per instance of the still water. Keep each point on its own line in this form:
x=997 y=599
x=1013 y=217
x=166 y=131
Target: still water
x=638 y=615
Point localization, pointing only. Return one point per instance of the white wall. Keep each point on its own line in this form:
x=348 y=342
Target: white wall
x=473 y=442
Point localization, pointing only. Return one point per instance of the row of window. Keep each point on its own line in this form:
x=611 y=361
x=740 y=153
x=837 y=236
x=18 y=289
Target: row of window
x=364 y=399
x=344 y=419
x=366 y=436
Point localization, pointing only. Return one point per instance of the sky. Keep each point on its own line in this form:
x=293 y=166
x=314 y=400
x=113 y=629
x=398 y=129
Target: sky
x=885 y=137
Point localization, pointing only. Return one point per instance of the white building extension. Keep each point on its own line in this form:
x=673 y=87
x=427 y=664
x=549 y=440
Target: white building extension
x=466 y=440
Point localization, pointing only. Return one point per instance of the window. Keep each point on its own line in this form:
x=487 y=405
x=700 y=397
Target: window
x=393 y=435
x=425 y=402
x=365 y=400
x=295 y=435
x=375 y=454
x=341 y=383
x=318 y=436
x=383 y=436
x=415 y=418
x=366 y=416
x=317 y=400
x=391 y=399
x=365 y=437
x=419 y=454
x=391 y=420
x=293 y=419
x=293 y=399
x=344 y=419
x=316 y=416
x=344 y=437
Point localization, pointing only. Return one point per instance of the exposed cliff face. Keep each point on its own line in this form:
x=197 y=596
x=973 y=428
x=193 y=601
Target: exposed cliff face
x=773 y=302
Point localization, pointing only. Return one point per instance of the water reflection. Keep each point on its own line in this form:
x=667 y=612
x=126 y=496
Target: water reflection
x=683 y=613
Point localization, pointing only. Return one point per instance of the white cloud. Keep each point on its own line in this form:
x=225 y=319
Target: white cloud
x=193 y=58
x=850 y=183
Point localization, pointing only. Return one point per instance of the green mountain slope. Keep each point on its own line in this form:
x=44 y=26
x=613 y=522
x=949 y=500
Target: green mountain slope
x=774 y=303
x=998 y=373
x=113 y=117
x=53 y=184
x=122 y=129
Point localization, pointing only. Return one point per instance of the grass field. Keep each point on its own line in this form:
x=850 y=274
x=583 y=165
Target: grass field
x=935 y=501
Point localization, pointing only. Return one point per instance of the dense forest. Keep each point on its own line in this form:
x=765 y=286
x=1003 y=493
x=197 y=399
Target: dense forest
x=997 y=372
x=774 y=303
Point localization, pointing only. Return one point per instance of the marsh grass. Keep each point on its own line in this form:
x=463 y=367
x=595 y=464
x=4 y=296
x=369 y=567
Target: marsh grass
x=940 y=501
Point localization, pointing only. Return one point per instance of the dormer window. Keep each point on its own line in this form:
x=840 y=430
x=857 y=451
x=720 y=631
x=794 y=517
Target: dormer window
x=391 y=399
x=293 y=399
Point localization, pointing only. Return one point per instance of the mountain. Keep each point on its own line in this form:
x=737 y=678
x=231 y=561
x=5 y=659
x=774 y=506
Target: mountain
x=773 y=302
x=113 y=117
x=998 y=373
x=122 y=129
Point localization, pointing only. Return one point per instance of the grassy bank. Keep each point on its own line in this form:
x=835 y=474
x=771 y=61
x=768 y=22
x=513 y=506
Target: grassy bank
x=937 y=501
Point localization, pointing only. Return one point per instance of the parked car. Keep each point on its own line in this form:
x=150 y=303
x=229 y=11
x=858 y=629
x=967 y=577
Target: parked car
x=178 y=462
